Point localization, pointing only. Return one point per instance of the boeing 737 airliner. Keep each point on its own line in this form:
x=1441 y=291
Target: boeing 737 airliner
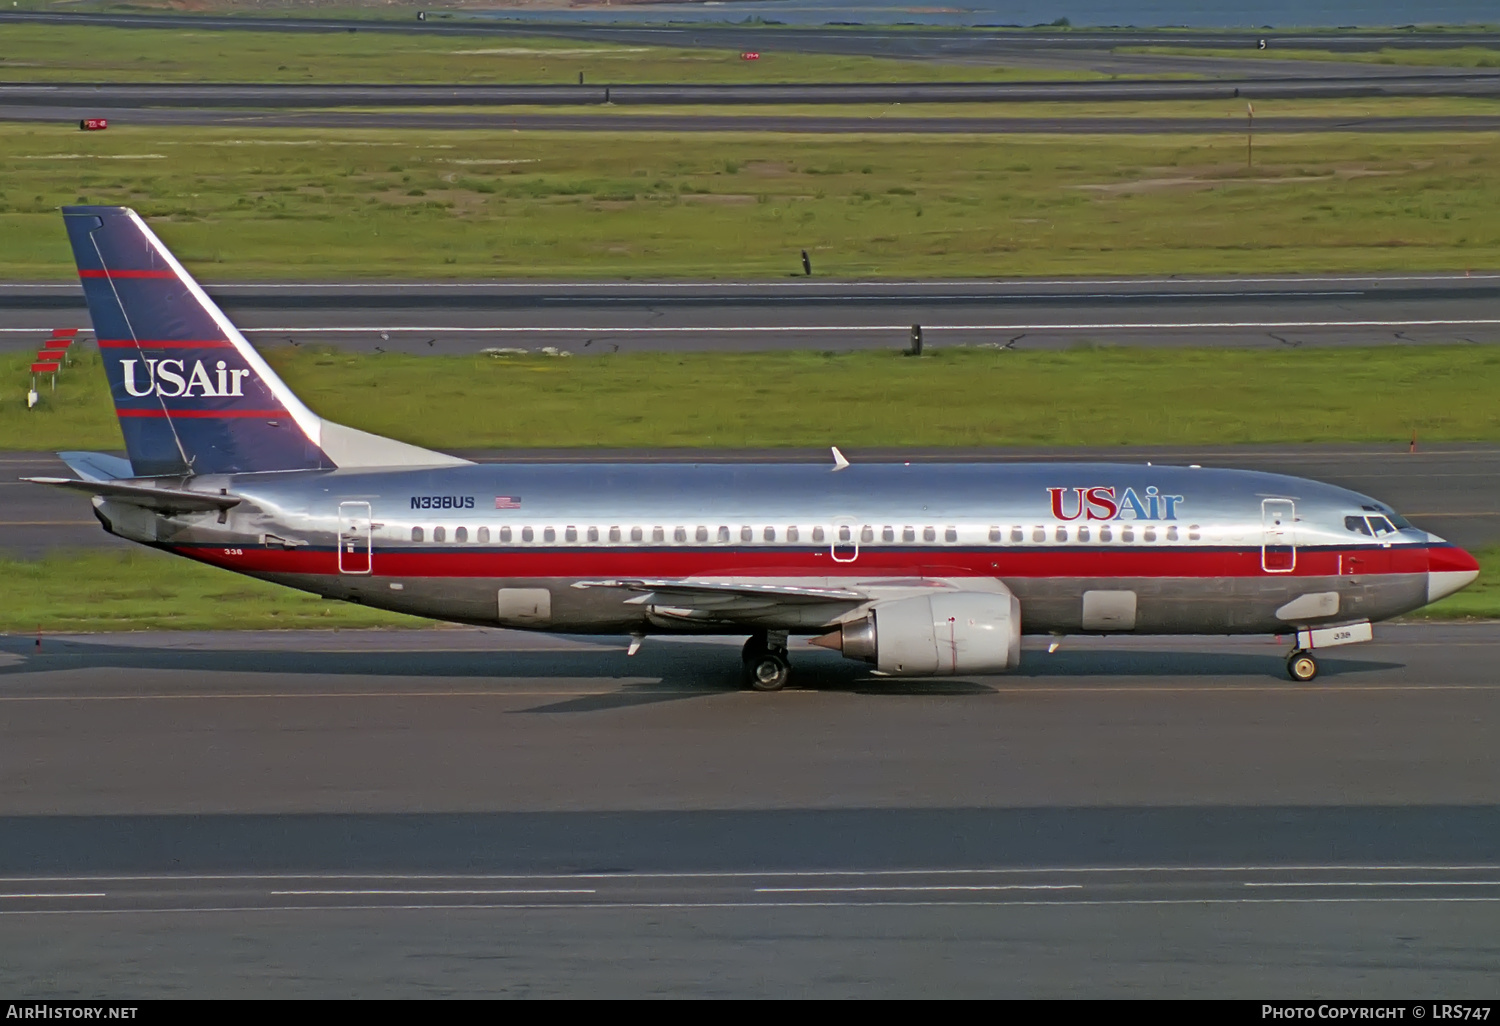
x=917 y=570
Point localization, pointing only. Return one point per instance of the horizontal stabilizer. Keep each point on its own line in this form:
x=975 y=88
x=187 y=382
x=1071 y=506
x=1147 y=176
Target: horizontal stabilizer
x=164 y=500
x=97 y=466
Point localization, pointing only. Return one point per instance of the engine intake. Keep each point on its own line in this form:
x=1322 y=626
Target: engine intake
x=935 y=635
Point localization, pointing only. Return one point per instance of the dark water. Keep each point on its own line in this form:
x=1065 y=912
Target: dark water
x=1141 y=13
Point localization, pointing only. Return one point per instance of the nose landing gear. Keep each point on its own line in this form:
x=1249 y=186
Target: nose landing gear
x=766 y=667
x=1301 y=666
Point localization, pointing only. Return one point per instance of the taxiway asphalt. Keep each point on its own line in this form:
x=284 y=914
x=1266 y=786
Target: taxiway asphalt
x=467 y=812
x=813 y=313
x=1230 y=123
x=1452 y=490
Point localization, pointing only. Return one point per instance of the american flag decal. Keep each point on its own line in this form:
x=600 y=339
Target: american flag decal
x=507 y=502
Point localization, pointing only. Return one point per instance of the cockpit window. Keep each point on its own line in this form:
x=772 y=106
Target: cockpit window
x=1381 y=525
x=1356 y=524
x=1402 y=524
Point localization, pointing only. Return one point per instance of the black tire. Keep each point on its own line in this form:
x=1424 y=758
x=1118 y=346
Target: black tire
x=1301 y=667
x=768 y=671
x=755 y=647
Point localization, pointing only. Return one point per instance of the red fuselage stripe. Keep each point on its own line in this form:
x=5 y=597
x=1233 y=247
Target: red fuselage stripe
x=457 y=562
x=130 y=343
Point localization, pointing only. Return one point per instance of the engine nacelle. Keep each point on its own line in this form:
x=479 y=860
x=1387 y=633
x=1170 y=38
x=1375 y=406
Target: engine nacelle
x=935 y=635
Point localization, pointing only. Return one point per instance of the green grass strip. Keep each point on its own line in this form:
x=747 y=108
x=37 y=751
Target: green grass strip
x=79 y=53
x=301 y=204
x=143 y=589
x=953 y=396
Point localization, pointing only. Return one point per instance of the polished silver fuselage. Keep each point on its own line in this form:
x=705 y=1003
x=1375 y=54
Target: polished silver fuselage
x=1228 y=552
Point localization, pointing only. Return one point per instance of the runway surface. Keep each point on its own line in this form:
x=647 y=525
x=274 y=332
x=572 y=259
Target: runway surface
x=201 y=96
x=812 y=313
x=797 y=123
x=468 y=812
x=1449 y=489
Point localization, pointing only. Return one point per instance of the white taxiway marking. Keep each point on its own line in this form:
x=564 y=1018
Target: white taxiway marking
x=92 y=894
x=669 y=285
x=433 y=893
x=615 y=906
x=1380 y=867
x=827 y=328
x=919 y=887
x=1377 y=883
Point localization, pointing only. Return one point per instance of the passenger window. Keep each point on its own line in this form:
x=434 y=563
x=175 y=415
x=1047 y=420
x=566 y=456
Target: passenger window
x=1105 y=534
x=526 y=534
x=1039 y=533
x=723 y=536
x=1172 y=533
x=950 y=535
x=1149 y=534
x=1193 y=534
x=439 y=534
x=1061 y=534
x=1017 y=534
x=701 y=534
x=505 y=534
x=593 y=534
x=817 y=534
x=483 y=537
x=792 y=534
x=770 y=534
x=866 y=535
x=1127 y=533
x=994 y=534
x=929 y=534
x=636 y=534
x=570 y=533
x=614 y=534
x=748 y=534
x=908 y=534
x=887 y=534
x=1357 y=525
x=1083 y=532
x=461 y=534
x=549 y=534
x=416 y=534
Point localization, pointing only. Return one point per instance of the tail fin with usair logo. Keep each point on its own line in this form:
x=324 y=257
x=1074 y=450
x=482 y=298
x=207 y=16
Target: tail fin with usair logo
x=193 y=396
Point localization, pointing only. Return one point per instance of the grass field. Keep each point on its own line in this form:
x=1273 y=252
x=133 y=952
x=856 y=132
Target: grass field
x=954 y=396
x=304 y=204
x=57 y=53
x=1449 y=57
x=142 y=589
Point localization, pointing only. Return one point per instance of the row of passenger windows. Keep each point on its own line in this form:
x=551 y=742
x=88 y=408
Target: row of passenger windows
x=1017 y=535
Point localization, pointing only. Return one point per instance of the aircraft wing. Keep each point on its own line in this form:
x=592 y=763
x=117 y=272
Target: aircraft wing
x=725 y=597
x=165 y=500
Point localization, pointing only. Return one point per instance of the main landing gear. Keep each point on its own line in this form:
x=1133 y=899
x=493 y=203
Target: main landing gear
x=766 y=667
x=1301 y=666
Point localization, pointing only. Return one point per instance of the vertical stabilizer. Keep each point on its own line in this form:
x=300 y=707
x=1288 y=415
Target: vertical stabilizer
x=193 y=397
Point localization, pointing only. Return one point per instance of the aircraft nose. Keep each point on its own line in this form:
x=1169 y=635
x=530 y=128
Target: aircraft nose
x=1449 y=568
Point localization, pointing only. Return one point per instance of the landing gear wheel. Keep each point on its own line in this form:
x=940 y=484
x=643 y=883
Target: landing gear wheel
x=767 y=670
x=1301 y=666
x=755 y=647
